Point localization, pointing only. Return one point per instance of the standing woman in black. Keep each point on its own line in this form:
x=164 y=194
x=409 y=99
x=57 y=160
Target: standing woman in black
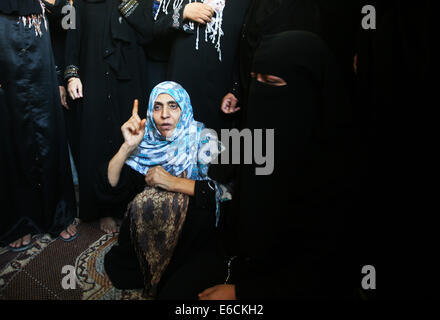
x=266 y=17
x=106 y=72
x=36 y=182
x=203 y=53
x=289 y=230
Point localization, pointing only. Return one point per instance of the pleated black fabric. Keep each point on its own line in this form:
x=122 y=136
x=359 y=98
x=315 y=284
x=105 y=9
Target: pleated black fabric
x=37 y=190
x=106 y=47
x=289 y=225
x=201 y=73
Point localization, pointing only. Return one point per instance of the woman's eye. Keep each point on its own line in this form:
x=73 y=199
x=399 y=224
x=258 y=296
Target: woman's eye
x=272 y=80
x=173 y=106
x=156 y=107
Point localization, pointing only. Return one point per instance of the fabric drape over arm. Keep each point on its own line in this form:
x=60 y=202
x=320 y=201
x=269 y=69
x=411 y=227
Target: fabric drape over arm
x=139 y=15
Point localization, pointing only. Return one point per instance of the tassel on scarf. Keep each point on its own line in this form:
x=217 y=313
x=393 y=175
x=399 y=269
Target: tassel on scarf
x=213 y=30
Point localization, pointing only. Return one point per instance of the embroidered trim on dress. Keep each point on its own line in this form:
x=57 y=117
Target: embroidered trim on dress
x=127 y=7
x=71 y=71
x=176 y=16
x=35 y=20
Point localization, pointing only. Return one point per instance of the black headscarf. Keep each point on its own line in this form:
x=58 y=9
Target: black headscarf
x=267 y=17
x=274 y=16
x=297 y=213
x=20 y=7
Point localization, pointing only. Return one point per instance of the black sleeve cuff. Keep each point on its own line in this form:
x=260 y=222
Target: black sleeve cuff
x=127 y=7
x=204 y=195
x=71 y=71
x=178 y=22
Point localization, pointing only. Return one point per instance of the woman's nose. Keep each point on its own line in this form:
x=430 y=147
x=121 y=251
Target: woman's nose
x=165 y=113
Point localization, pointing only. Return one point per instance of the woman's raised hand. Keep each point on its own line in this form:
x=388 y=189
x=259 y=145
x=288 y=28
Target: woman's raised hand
x=198 y=12
x=134 y=129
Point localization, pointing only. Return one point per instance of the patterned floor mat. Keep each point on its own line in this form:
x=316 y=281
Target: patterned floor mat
x=37 y=274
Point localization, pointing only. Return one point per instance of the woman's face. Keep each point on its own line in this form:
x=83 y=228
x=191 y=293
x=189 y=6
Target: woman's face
x=269 y=79
x=166 y=114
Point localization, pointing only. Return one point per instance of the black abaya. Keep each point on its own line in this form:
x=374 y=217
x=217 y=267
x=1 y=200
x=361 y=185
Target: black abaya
x=289 y=226
x=108 y=50
x=200 y=72
x=36 y=183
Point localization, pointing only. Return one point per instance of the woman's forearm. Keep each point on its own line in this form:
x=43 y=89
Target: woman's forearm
x=185 y=186
x=116 y=164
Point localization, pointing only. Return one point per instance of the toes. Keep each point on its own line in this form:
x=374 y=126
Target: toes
x=65 y=235
x=72 y=230
x=104 y=228
x=108 y=225
x=21 y=242
x=26 y=240
x=15 y=244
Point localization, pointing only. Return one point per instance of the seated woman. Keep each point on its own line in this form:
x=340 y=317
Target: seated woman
x=173 y=205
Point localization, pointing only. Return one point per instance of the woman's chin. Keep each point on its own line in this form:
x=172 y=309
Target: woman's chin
x=167 y=133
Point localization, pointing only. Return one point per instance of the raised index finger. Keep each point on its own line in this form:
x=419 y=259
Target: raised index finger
x=135 y=107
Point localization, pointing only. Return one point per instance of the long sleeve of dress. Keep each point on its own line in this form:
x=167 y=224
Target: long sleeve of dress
x=73 y=47
x=139 y=14
x=55 y=16
x=167 y=24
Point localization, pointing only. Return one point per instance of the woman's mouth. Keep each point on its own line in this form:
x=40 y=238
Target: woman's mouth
x=165 y=126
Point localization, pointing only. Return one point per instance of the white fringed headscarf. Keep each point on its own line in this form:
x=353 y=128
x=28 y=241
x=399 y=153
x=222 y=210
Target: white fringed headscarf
x=213 y=30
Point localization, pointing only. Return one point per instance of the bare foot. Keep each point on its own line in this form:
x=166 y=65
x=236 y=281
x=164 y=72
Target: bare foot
x=21 y=242
x=108 y=225
x=69 y=232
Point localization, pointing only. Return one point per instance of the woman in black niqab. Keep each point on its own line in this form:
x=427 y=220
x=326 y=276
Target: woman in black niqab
x=289 y=226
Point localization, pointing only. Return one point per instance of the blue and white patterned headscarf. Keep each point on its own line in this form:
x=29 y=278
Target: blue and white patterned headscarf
x=184 y=151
